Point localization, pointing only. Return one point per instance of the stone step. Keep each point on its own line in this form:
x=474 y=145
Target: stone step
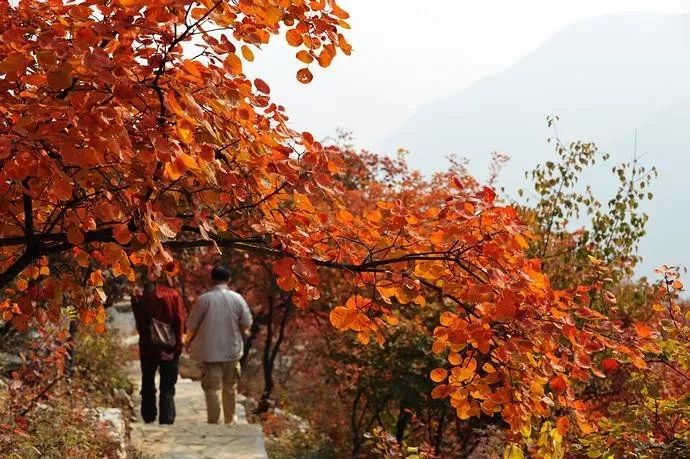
x=190 y=437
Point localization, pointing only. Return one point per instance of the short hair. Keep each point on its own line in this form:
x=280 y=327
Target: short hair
x=220 y=274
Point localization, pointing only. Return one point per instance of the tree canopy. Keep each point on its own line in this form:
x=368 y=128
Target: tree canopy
x=129 y=132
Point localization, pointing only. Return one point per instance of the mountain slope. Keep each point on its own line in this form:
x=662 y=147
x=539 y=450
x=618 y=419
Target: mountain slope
x=607 y=78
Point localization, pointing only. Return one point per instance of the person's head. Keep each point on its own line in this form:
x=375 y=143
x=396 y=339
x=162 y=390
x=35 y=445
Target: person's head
x=220 y=275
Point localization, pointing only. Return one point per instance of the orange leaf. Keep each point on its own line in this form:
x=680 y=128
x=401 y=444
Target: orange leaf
x=392 y=320
x=344 y=216
x=439 y=346
x=440 y=391
x=62 y=190
x=341 y=317
x=325 y=57
x=447 y=318
x=439 y=374
x=363 y=337
x=373 y=216
x=304 y=56
x=233 y=64
x=75 y=236
x=185 y=130
x=462 y=374
x=122 y=234
x=293 y=37
x=454 y=358
x=643 y=331
x=82 y=258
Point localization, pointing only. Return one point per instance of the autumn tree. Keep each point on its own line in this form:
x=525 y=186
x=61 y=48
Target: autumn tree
x=640 y=406
x=129 y=129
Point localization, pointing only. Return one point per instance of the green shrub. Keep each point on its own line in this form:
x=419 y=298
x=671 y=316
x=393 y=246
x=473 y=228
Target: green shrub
x=100 y=360
x=300 y=445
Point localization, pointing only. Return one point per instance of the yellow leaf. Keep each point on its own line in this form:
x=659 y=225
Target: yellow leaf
x=392 y=320
x=302 y=202
x=658 y=307
x=185 y=131
x=22 y=285
x=173 y=105
x=187 y=162
x=513 y=451
x=247 y=53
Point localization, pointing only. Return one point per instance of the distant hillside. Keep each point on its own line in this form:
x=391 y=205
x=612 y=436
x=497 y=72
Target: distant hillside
x=606 y=78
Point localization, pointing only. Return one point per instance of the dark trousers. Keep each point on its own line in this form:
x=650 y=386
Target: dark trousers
x=168 y=371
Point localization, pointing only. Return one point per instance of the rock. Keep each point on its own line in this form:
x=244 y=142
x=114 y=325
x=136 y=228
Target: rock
x=115 y=424
x=9 y=362
x=250 y=405
x=121 y=396
x=123 y=306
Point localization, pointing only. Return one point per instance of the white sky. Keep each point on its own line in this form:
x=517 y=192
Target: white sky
x=407 y=52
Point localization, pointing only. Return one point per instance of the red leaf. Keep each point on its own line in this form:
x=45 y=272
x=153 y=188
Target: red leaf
x=562 y=425
x=304 y=76
x=558 y=384
x=262 y=86
x=609 y=364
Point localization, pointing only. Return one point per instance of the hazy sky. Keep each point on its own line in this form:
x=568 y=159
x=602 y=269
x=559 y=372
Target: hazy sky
x=407 y=52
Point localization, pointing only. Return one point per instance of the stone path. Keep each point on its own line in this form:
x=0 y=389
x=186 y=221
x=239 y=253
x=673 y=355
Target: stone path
x=190 y=436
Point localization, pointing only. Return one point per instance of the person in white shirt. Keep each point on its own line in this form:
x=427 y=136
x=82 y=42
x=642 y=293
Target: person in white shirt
x=219 y=322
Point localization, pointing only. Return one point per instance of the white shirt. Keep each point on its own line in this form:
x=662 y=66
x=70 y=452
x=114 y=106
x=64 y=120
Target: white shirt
x=216 y=319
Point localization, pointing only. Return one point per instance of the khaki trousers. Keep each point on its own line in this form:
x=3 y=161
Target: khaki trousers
x=217 y=377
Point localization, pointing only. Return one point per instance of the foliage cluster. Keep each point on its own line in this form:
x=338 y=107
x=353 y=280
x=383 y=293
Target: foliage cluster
x=131 y=138
x=48 y=405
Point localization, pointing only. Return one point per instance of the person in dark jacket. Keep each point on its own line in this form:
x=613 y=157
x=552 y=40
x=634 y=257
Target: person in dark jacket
x=164 y=304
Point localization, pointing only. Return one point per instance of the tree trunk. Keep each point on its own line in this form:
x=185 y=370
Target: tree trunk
x=401 y=425
x=271 y=349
